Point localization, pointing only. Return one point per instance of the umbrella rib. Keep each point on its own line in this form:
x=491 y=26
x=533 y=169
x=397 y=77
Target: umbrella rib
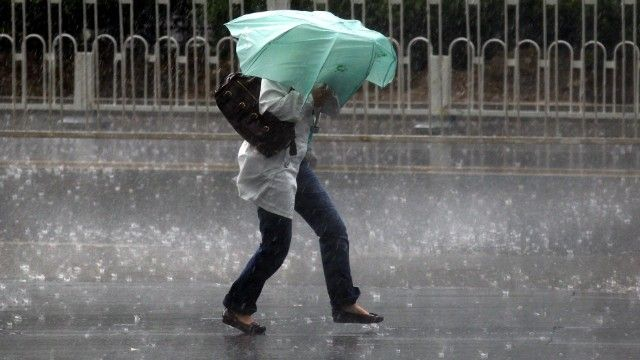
x=373 y=50
x=326 y=56
x=386 y=75
x=355 y=89
x=324 y=62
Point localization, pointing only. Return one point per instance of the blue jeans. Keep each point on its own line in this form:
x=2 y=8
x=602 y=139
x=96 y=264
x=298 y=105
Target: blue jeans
x=314 y=205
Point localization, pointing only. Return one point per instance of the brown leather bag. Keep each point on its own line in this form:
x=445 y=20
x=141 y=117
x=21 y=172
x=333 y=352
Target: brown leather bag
x=238 y=98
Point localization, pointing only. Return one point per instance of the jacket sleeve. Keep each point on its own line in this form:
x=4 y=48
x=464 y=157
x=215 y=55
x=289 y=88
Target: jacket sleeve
x=281 y=101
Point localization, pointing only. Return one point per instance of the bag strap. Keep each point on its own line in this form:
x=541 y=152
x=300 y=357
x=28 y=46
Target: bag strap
x=293 y=149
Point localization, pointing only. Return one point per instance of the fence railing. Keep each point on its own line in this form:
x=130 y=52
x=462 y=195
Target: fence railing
x=497 y=86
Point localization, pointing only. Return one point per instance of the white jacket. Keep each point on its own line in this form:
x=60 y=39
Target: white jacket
x=270 y=183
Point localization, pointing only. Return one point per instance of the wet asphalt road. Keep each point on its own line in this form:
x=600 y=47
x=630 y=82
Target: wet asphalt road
x=118 y=250
x=170 y=321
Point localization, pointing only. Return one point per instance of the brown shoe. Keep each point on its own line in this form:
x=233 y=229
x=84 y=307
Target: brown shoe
x=231 y=319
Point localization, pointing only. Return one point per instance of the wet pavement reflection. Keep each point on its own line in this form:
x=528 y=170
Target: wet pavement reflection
x=170 y=321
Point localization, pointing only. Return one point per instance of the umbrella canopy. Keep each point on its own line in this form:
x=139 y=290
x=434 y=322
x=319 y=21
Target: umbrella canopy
x=304 y=49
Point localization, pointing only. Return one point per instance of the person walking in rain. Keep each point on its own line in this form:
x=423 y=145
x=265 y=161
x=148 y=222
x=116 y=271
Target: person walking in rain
x=278 y=186
x=302 y=51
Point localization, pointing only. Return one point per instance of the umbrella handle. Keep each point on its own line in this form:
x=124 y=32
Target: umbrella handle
x=316 y=118
x=314 y=127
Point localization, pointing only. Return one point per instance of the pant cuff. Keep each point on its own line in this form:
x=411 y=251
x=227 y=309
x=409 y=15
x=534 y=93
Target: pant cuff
x=241 y=310
x=348 y=300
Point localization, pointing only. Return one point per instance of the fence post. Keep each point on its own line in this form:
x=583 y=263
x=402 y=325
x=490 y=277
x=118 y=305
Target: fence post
x=320 y=5
x=83 y=86
x=279 y=4
x=440 y=86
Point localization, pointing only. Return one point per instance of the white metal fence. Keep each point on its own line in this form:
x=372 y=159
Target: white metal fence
x=550 y=81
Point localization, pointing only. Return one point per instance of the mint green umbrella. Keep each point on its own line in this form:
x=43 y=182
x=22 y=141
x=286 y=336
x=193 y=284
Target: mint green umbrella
x=302 y=49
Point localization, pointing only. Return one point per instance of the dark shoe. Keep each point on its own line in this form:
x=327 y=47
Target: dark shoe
x=341 y=316
x=230 y=318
